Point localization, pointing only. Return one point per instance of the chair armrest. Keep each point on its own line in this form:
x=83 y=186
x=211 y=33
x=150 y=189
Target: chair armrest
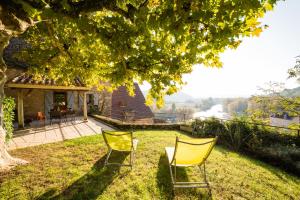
x=134 y=143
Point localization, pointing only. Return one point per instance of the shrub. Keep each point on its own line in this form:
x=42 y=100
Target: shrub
x=236 y=135
x=270 y=136
x=8 y=116
x=240 y=136
x=287 y=157
x=265 y=143
x=209 y=127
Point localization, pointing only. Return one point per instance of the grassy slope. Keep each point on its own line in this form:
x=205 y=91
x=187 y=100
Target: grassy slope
x=74 y=170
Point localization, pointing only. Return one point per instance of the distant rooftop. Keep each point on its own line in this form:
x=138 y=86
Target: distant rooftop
x=122 y=102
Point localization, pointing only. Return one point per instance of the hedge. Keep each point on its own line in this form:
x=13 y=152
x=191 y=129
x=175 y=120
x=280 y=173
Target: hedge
x=264 y=143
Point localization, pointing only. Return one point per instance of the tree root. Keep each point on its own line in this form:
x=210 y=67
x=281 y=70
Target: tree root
x=7 y=161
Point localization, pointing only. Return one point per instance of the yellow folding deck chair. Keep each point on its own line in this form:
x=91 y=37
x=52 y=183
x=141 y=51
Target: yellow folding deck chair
x=120 y=141
x=189 y=153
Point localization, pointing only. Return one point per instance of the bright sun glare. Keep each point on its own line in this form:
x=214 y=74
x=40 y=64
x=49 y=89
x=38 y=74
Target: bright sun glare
x=255 y=62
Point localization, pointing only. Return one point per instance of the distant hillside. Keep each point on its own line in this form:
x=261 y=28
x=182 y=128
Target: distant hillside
x=178 y=97
x=291 y=92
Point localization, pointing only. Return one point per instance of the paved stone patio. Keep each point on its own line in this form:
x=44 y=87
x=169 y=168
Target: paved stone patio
x=55 y=133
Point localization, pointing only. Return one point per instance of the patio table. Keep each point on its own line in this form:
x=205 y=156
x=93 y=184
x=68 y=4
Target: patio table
x=62 y=115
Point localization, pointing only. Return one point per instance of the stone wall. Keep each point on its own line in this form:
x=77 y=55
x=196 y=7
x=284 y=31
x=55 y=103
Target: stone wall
x=104 y=102
x=33 y=101
x=135 y=126
x=144 y=121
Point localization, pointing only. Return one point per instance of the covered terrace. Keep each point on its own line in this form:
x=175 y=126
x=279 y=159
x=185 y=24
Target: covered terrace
x=44 y=102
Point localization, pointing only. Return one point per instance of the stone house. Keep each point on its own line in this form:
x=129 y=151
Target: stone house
x=120 y=105
x=34 y=97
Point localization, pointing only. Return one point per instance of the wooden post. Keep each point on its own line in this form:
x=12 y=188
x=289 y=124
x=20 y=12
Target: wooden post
x=298 y=127
x=20 y=109
x=76 y=101
x=84 y=107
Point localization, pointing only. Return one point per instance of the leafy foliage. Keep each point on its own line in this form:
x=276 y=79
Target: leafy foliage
x=208 y=127
x=125 y=41
x=241 y=134
x=273 y=102
x=235 y=105
x=8 y=116
x=295 y=71
x=236 y=134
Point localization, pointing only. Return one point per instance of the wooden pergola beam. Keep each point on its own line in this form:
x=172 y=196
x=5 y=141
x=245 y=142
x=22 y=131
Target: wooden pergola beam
x=46 y=87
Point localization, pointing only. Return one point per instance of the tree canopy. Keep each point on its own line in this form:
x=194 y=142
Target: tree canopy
x=134 y=40
x=295 y=71
x=275 y=101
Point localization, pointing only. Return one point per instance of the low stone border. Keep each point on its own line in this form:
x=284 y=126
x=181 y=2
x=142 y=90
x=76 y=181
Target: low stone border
x=186 y=128
x=128 y=126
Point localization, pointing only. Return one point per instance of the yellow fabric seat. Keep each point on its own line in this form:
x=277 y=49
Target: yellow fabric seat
x=186 y=153
x=120 y=141
x=170 y=154
x=190 y=151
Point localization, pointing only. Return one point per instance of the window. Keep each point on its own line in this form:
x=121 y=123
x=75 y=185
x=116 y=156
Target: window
x=90 y=99
x=60 y=100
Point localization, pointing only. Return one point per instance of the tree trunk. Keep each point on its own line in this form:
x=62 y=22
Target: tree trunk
x=6 y=161
x=13 y=22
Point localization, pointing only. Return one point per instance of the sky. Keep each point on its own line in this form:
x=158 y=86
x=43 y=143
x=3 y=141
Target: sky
x=256 y=61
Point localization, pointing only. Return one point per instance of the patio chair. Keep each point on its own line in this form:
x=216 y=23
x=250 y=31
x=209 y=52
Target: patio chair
x=55 y=115
x=41 y=117
x=122 y=142
x=71 y=114
x=189 y=153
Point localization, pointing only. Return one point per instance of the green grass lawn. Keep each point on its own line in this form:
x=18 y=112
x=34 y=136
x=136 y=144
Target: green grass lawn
x=74 y=170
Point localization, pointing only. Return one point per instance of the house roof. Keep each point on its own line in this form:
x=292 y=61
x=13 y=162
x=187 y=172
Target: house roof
x=25 y=80
x=122 y=102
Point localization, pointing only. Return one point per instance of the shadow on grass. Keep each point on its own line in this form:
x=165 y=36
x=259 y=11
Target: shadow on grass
x=261 y=160
x=92 y=184
x=165 y=185
x=270 y=164
x=163 y=178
